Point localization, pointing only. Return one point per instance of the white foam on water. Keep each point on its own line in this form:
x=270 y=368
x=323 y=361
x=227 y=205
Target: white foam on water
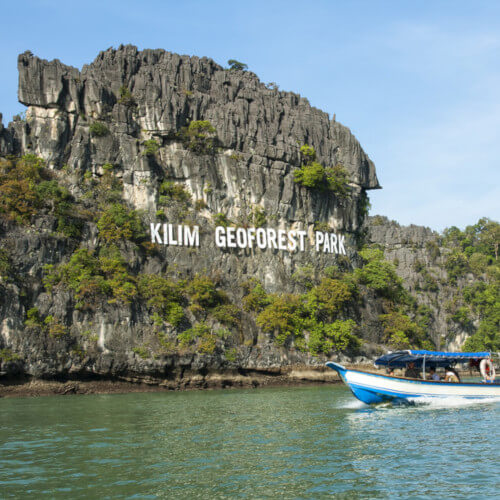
x=352 y=404
x=451 y=402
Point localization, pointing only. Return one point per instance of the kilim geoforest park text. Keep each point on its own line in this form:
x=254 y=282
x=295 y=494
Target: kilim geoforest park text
x=249 y=237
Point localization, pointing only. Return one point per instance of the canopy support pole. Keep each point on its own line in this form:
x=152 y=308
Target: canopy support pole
x=423 y=369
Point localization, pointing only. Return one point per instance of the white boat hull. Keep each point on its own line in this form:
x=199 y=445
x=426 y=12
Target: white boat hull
x=375 y=388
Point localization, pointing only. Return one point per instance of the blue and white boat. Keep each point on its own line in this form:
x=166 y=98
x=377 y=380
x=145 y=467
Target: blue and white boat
x=378 y=388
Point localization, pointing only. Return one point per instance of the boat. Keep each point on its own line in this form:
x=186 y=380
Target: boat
x=372 y=388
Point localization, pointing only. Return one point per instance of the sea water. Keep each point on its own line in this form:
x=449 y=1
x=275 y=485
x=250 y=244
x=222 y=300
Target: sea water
x=305 y=442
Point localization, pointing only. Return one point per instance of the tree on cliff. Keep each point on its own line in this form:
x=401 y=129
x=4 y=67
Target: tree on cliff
x=237 y=65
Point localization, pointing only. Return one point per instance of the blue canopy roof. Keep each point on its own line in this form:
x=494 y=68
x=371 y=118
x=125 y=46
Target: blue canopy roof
x=399 y=359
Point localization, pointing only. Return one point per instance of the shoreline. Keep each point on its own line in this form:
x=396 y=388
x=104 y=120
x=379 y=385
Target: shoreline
x=296 y=376
x=34 y=387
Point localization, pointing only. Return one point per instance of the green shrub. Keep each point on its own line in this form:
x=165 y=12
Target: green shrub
x=336 y=336
x=8 y=355
x=256 y=299
x=221 y=219
x=5 y=265
x=282 y=317
x=200 y=204
x=59 y=200
x=403 y=333
x=456 y=265
x=118 y=223
x=150 y=147
x=430 y=282
x=33 y=319
x=98 y=129
x=322 y=226
x=312 y=174
x=231 y=355
x=173 y=191
x=379 y=275
x=479 y=263
x=81 y=274
x=203 y=292
x=163 y=297
x=26 y=187
x=327 y=299
x=55 y=328
x=228 y=314
x=19 y=199
x=200 y=333
x=484 y=299
x=121 y=285
x=109 y=189
x=338 y=182
x=433 y=248
x=308 y=154
x=461 y=316
x=199 y=136
x=126 y=96
x=259 y=216
x=487 y=337
x=378 y=220
x=141 y=351
x=90 y=277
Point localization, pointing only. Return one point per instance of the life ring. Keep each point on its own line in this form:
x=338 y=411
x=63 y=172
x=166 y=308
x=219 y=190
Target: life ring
x=487 y=370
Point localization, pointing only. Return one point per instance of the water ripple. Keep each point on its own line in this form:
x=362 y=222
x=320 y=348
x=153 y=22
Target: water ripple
x=282 y=442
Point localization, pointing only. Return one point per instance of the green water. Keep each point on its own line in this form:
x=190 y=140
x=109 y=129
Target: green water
x=311 y=442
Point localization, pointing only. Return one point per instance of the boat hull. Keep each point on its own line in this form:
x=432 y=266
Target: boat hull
x=372 y=388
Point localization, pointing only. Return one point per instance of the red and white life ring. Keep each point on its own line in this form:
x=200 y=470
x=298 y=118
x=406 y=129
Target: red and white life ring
x=487 y=370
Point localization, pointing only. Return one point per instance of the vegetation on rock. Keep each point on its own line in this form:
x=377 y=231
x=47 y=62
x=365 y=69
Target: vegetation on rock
x=27 y=188
x=236 y=65
x=98 y=129
x=312 y=174
x=151 y=147
x=199 y=136
x=119 y=223
x=474 y=251
x=126 y=96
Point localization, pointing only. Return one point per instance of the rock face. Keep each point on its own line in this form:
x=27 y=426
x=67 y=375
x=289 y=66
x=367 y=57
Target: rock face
x=265 y=125
x=419 y=258
x=140 y=98
x=151 y=95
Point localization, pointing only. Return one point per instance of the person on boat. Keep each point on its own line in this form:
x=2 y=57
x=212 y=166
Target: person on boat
x=451 y=375
x=411 y=371
x=433 y=375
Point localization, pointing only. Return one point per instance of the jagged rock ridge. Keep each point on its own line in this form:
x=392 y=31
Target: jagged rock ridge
x=152 y=94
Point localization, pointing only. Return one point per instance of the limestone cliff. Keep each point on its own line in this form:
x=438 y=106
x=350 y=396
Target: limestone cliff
x=116 y=126
x=141 y=98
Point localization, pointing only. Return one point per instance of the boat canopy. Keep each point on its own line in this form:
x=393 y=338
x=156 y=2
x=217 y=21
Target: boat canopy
x=399 y=359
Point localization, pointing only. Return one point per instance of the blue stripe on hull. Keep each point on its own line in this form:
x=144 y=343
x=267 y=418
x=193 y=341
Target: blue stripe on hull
x=379 y=395
x=365 y=396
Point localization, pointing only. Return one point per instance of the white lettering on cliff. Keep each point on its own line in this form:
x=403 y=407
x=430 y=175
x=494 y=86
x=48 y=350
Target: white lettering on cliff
x=241 y=237
x=176 y=235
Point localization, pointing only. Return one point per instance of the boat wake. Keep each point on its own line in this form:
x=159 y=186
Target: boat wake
x=451 y=402
x=421 y=402
x=353 y=405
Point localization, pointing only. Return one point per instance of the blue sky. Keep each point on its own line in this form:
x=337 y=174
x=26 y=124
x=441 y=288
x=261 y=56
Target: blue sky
x=417 y=82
